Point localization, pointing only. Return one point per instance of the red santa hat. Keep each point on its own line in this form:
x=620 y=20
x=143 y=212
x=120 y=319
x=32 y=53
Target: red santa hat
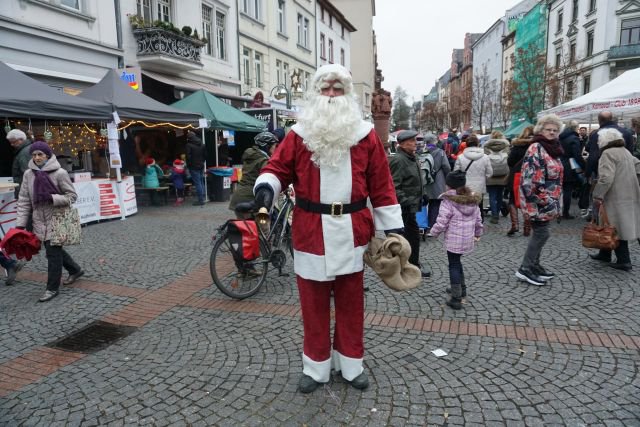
x=149 y=161
x=178 y=165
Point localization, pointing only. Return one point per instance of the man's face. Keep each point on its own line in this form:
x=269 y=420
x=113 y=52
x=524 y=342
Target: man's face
x=583 y=131
x=332 y=88
x=15 y=143
x=409 y=146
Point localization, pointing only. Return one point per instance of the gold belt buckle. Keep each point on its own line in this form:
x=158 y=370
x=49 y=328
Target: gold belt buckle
x=337 y=205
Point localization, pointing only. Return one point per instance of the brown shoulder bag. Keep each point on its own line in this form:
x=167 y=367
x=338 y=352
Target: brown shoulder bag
x=602 y=236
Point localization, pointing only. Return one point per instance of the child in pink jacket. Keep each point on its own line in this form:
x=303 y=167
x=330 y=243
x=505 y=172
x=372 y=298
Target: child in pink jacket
x=460 y=220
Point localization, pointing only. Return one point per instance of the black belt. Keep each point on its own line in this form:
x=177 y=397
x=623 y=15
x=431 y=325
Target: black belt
x=333 y=209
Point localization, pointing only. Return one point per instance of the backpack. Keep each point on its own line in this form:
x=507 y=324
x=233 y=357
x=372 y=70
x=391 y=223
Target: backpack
x=499 y=162
x=426 y=165
x=243 y=236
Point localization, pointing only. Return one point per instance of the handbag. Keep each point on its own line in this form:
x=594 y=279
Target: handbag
x=65 y=227
x=603 y=236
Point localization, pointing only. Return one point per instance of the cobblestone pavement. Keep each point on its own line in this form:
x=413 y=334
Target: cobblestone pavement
x=564 y=354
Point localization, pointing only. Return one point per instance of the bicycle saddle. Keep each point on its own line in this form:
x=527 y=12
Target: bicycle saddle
x=246 y=207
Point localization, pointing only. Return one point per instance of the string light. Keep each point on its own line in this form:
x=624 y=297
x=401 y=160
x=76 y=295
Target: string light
x=155 y=125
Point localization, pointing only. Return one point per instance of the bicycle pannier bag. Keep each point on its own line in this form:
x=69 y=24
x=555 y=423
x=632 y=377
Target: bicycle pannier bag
x=243 y=236
x=603 y=236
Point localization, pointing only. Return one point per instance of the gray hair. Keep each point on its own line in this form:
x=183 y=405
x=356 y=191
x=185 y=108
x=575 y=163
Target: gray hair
x=16 y=134
x=430 y=138
x=573 y=124
x=545 y=120
x=607 y=135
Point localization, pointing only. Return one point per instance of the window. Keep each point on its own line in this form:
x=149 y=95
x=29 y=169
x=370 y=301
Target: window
x=246 y=65
x=164 y=10
x=630 y=32
x=252 y=8
x=303 y=31
x=590 y=43
x=558 y=58
x=323 y=53
x=279 y=71
x=322 y=13
x=206 y=28
x=144 y=9
x=569 y=90
x=307 y=77
x=592 y=5
x=281 y=17
x=330 y=51
x=572 y=52
x=220 y=35
x=72 y=4
x=258 y=68
x=285 y=72
x=342 y=57
x=574 y=11
x=330 y=21
x=586 y=84
x=559 y=23
x=342 y=30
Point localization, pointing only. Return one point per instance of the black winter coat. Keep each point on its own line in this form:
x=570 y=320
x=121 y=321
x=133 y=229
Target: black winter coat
x=570 y=141
x=594 y=151
x=407 y=179
x=195 y=154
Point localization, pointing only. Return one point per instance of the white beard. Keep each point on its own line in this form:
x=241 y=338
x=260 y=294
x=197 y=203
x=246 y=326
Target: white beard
x=331 y=126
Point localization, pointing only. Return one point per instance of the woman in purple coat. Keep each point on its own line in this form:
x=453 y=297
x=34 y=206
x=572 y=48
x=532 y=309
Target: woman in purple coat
x=460 y=220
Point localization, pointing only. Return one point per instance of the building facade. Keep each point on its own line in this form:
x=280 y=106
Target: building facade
x=360 y=14
x=334 y=35
x=68 y=44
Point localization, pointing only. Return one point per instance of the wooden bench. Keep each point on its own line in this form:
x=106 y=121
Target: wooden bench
x=163 y=191
x=187 y=188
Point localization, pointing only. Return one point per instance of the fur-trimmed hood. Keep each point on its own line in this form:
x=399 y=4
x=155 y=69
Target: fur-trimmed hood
x=612 y=144
x=465 y=203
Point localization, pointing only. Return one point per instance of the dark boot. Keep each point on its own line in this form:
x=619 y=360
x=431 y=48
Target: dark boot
x=455 y=303
x=513 y=213
x=307 y=384
x=463 y=286
x=527 y=226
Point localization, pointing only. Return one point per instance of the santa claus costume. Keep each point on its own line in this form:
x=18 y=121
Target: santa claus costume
x=336 y=163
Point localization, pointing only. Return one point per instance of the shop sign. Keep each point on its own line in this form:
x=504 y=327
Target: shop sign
x=132 y=77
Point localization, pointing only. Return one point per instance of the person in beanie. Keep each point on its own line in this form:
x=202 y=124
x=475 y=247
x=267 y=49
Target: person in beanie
x=151 y=179
x=177 y=177
x=407 y=179
x=195 y=163
x=45 y=186
x=336 y=162
x=253 y=160
x=20 y=143
x=460 y=221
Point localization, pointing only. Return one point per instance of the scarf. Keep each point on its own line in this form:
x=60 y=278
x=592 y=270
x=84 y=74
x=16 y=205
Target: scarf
x=43 y=187
x=551 y=146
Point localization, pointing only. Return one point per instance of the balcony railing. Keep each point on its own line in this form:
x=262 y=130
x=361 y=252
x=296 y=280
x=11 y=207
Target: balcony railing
x=624 y=51
x=158 y=41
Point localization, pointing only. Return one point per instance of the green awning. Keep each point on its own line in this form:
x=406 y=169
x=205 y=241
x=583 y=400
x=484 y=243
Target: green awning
x=221 y=114
x=515 y=131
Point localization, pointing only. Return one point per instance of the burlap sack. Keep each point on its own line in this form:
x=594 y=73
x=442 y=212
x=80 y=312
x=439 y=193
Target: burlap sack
x=389 y=258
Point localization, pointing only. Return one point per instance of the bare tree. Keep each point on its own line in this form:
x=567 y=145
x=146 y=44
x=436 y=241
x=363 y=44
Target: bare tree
x=482 y=94
x=528 y=88
x=560 y=81
x=503 y=106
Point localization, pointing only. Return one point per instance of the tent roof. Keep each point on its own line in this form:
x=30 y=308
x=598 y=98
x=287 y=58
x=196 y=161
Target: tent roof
x=221 y=114
x=516 y=130
x=22 y=96
x=131 y=104
x=621 y=95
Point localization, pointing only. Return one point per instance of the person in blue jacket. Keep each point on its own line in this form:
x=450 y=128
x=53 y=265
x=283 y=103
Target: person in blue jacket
x=152 y=176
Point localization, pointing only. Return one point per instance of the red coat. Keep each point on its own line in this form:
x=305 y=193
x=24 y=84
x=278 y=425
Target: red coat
x=327 y=246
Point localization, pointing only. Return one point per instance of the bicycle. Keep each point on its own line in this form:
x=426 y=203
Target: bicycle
x=239 y=278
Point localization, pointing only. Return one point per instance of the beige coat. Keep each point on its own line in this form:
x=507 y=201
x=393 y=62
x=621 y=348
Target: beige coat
x=42 y=213
x=618 y=185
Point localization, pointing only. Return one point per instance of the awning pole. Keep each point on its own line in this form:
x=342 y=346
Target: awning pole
x=204 y=174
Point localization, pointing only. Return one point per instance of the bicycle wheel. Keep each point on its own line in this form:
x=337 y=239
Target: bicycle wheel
x=237 y=278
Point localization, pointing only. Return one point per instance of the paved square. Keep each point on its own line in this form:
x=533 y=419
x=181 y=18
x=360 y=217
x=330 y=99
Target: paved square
x=564 y=354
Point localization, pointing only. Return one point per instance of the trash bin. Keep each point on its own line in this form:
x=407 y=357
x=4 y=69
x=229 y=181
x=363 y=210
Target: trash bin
x=219 y=184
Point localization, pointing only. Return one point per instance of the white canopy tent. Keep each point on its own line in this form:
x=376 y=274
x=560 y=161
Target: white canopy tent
x=621 y=96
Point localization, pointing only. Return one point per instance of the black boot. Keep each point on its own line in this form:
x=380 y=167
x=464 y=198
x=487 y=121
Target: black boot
x=455 y=303
x=307 y=384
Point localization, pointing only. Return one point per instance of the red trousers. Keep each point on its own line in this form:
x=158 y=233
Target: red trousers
x=348 y=338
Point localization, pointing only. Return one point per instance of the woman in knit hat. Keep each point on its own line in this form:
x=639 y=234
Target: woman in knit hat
x=45 y=186
x=460 y=220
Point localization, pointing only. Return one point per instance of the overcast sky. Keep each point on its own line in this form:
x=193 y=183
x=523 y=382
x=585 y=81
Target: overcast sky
x=415 y=37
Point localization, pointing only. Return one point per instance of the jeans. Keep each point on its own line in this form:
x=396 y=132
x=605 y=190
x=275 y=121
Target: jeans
x=57 y=258
x=412 y=234
x=433 y=210
x=198 y=182
x=456 y=274
x=6 y=262
x=622 y=253
x=539 y=236
x=495 y=198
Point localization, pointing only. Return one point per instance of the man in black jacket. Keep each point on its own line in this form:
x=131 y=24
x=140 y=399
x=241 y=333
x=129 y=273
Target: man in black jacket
x=606 y=120
x=572 y=149
x=195 y=163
